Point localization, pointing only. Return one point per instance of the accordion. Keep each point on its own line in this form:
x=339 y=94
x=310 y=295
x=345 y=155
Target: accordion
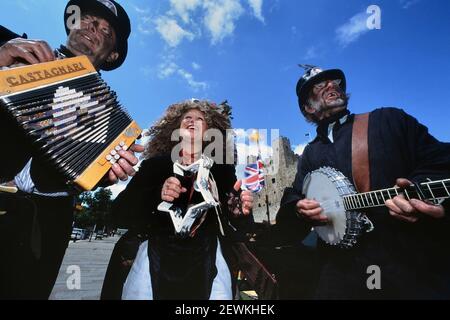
x=71 y=116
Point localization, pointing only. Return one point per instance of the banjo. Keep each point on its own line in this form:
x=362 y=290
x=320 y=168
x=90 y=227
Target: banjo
x=342 y=204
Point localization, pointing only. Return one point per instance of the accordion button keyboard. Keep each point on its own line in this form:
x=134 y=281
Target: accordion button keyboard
x=72 y=117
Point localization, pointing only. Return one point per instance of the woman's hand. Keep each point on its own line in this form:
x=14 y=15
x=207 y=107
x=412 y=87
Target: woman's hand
x=172 y=189
x=245 y=201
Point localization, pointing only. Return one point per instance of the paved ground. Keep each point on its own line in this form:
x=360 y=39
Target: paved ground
x=91 y=259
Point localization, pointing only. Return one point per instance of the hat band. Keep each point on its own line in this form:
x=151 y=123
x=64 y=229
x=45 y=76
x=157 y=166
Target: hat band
x=311 y=73
x=110 y=6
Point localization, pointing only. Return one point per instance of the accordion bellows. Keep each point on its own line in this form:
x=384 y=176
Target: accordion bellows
x=71 y=115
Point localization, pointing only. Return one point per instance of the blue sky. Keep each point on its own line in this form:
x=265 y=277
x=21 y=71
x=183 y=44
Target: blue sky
x=247 y=51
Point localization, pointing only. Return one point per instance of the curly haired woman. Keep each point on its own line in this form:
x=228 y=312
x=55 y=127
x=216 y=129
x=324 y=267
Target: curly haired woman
x=167 y=265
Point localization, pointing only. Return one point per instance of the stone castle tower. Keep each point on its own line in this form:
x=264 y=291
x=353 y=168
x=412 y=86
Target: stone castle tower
x=280 y=171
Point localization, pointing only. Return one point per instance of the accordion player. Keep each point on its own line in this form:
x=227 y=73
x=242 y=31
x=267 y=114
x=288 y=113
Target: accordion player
x=70 y=115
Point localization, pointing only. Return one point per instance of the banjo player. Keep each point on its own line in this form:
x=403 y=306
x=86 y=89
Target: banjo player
x=408 y=241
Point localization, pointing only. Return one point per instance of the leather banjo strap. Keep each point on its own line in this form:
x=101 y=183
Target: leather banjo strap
x=360 y=153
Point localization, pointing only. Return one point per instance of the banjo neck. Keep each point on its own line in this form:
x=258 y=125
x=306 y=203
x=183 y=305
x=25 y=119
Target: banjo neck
x=434 y=191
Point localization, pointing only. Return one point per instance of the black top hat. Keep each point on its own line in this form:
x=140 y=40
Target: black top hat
x=314 y=75
x=113 y=12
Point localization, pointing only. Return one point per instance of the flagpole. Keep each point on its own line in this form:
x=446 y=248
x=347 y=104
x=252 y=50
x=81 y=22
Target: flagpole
x=256 y=137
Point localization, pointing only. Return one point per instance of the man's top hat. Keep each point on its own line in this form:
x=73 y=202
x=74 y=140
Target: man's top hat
x=312 y=76
x=113 y=12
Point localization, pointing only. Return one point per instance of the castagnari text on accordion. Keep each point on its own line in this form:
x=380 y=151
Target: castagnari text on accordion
x=71 y=115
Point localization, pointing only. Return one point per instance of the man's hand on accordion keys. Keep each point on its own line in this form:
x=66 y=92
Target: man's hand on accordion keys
x=124 y=167
x=25 y=51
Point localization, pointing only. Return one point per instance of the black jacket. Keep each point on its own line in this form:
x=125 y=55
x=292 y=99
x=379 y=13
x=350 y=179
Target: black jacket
x=6 y=35
x=33 y=234
x=17 y=156
x=180 y=268
x=19 y=150
x=414 y=258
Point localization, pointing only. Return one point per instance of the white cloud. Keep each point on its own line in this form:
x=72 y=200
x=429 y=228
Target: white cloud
x=240 y=133
x=144 y=29
x=144 y=23
x=353 y=29
x=183 y=8
x=170 y=68
x=294 y=30
x=408 y=3
x=140 y=10
x=311 y=53
x=167 y=69
x=256 y=6
x=298 y=149
x=195 y=85
x=220 y=18
x=189 y=18
x=171 y=32
x=274 y=5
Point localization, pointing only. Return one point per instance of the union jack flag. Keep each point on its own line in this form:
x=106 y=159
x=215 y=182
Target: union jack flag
x=254 y=177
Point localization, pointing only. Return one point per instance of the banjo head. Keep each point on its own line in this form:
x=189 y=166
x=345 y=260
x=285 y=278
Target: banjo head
x=323 y=186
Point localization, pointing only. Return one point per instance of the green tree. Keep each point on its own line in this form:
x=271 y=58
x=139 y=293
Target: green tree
x=94 y=210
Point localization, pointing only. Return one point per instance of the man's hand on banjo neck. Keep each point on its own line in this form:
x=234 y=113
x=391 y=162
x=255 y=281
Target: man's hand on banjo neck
x=411 y=210
x=399 y=208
